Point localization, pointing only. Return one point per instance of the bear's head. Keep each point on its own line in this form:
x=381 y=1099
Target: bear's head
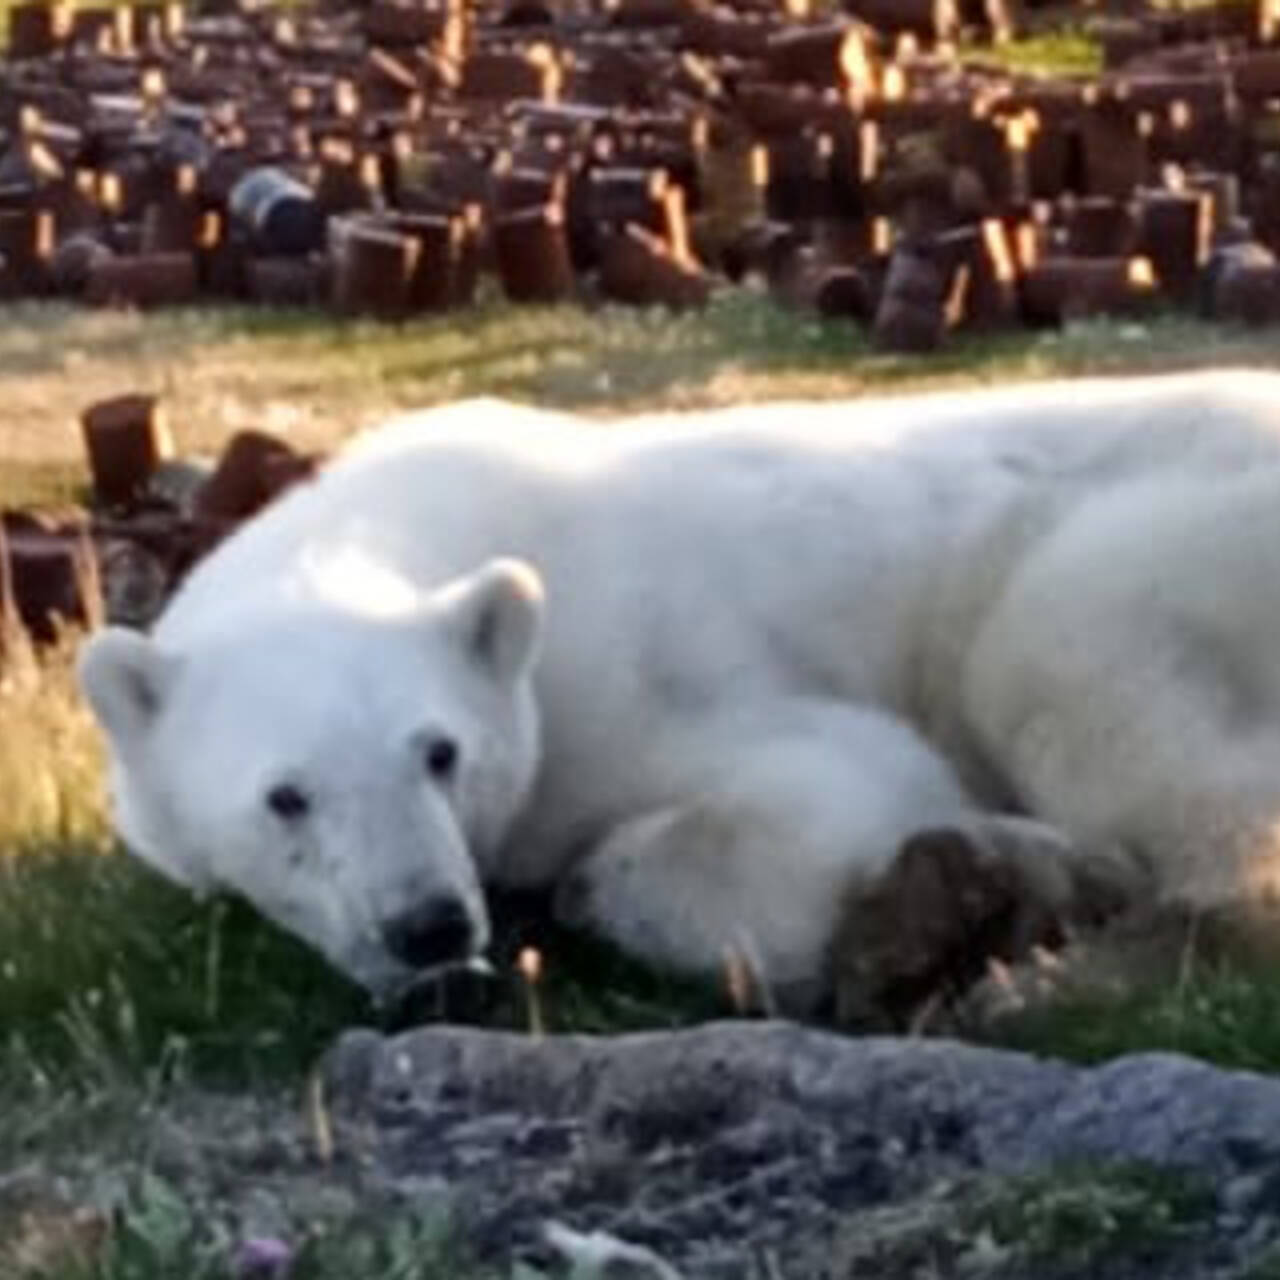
x=350 y=774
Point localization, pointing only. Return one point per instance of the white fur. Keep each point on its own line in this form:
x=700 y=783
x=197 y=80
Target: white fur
x=1071 y=591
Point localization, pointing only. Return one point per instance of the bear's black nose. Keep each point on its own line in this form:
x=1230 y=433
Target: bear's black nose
x=432 y=932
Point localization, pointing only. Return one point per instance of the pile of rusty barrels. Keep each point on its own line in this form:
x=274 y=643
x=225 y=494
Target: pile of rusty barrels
x=872 y=161
x=151 y=515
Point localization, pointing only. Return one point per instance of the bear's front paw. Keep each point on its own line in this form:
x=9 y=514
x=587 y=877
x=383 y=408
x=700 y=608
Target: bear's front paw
x=952 y=901
x=927 y=927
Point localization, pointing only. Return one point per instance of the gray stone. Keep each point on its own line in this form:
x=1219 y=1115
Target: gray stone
x=723 y=1145
x=751 y=1151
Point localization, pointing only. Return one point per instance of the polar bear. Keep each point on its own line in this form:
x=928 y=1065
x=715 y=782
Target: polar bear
x=707 y=674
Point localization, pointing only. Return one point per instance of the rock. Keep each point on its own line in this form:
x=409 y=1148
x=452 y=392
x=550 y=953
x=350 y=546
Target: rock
x=720 y=1144
x=597 y=1252
x=738 y=1150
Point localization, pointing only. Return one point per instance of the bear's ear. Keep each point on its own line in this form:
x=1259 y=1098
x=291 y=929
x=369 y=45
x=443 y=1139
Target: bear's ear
x=125 y=677
x=497 y=614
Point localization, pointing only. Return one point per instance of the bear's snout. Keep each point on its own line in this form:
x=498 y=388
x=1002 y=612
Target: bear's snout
x=433 y=932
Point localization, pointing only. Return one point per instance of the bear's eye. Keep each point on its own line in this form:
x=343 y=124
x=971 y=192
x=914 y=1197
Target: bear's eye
x=288 y=802
x=440 y=755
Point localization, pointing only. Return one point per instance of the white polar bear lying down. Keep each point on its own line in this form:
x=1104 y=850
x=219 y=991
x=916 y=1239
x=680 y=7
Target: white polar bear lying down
x=704 y=673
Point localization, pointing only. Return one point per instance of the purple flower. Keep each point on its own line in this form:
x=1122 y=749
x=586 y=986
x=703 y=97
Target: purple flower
x=263 y=1258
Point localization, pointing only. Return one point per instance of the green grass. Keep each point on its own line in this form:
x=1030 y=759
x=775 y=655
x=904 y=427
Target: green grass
x=1266 y=1267
x=1069 y=51
x=1227 y=1013
x=158 y=1232
x=314 y=379
x=1191 y=6
x=1075 y=1219
x=1086 y=1214
x=140 y=979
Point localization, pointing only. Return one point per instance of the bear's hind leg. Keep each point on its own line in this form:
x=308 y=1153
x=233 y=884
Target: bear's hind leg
x=1127 y=682
x=783 y=807
x=700 y=887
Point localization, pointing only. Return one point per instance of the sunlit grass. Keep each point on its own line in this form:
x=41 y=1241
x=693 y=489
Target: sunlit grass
x=1070 y=51
x=313 y=379
x=50 y=756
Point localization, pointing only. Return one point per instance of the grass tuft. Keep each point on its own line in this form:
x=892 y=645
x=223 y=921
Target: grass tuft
x=1228 y=1013
x=1090 y=1214
x=1070 y=51
x=50 y=757
x=156 y=1231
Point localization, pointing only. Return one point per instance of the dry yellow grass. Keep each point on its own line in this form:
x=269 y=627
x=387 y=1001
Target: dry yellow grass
x=50 y=753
